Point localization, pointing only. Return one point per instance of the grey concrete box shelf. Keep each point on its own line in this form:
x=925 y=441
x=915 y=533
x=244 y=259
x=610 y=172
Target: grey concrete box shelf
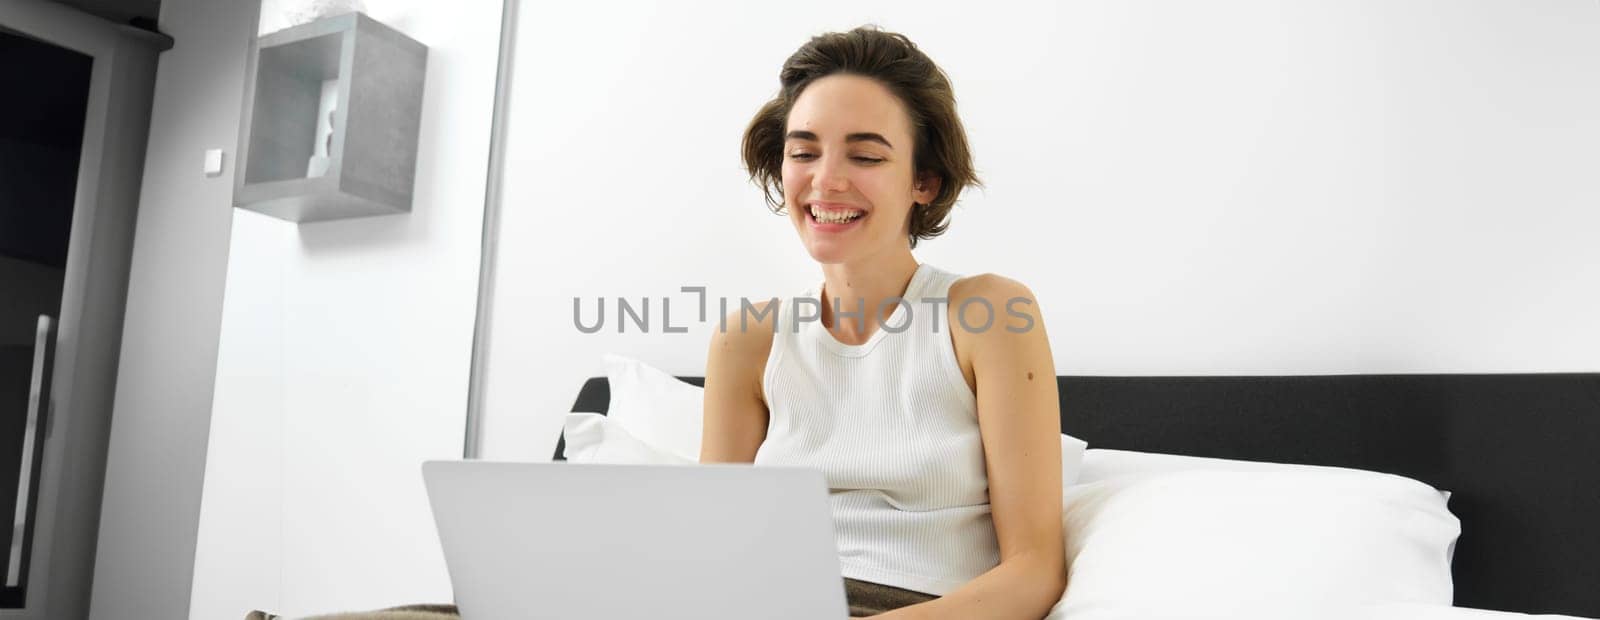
x=371 y=76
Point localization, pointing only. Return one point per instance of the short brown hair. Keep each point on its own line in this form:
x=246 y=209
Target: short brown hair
x=940 y=140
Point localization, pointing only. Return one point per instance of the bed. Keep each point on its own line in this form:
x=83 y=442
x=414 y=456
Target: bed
x=1520 y=454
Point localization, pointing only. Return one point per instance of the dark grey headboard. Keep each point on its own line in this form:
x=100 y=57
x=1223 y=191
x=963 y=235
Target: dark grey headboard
x=1519 y=452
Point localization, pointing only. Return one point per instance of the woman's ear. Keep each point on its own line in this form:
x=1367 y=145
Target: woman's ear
x=926 y=188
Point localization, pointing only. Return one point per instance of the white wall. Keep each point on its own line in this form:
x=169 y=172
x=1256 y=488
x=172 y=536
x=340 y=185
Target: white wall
x=344 y=361
x=1190 y=188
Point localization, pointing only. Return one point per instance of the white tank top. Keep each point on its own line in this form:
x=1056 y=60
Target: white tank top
x=894 y=428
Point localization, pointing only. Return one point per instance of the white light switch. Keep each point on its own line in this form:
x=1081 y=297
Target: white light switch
x=213 y=162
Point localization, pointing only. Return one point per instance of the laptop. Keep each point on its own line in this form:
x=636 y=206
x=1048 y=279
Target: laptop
x=581 y=541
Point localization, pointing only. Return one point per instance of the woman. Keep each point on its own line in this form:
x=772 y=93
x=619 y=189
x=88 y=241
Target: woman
x=935 y=421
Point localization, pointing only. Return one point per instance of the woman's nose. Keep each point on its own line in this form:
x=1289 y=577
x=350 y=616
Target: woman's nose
x=830 y=176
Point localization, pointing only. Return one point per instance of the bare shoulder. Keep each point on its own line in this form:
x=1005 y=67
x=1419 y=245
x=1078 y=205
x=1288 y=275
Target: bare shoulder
x=748 y=330
x=991 y=304
x=735 y=409
x=990 y=312
x=994 y=288
x=741 y=343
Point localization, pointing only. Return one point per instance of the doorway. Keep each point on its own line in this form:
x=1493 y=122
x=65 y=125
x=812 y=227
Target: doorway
x=73 y=127
x=41 y=140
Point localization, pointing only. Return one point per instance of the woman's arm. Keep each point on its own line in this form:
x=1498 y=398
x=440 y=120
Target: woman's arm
x=1020 y=421
x=735 y=411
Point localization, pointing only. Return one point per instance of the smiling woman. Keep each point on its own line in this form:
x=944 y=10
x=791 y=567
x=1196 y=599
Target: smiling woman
x=932 y=441
x=906 y=92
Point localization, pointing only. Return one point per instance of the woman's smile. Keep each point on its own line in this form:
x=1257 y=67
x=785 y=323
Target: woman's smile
x=833 y=217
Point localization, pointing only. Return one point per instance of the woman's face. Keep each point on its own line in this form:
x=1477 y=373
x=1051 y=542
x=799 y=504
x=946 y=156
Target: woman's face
x=847 y=158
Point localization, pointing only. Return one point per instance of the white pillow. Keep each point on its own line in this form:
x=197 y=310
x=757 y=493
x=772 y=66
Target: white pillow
x=1412 y=611
x=1203 y=542
x=1072 y=451
x=1290 y=611
x=656 y=407
x=595 y=438
x=1103 y=463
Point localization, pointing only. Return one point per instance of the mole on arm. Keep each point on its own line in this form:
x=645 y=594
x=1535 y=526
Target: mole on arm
x=1030 y=375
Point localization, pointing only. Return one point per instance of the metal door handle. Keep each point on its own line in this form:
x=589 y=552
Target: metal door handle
x=38 y=402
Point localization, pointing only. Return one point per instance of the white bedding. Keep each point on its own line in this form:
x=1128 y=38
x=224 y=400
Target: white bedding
x=1377 y=611
x=1404 y=611
x=1155 y=536
x=1268 y=541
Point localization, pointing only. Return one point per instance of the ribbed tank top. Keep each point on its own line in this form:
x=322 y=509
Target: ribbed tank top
x=894 y=428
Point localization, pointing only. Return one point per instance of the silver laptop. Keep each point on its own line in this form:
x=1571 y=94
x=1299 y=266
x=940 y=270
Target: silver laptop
x=581 y=541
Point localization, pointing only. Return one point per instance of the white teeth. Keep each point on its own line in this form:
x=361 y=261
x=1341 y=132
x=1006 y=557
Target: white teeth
x=838 y=216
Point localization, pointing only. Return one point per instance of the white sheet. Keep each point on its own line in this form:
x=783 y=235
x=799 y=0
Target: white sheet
x=1404 y=611
x=1382 y=611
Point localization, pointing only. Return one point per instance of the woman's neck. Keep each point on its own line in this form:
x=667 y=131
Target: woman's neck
x=870 y=285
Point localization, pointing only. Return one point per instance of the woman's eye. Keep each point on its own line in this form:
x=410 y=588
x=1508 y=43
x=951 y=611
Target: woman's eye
x=809 y=157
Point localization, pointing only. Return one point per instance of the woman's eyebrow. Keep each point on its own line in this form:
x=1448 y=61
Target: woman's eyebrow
x=866 y=136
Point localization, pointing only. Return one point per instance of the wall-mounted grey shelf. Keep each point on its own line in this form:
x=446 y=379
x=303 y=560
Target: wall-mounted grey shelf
x=372 y=76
